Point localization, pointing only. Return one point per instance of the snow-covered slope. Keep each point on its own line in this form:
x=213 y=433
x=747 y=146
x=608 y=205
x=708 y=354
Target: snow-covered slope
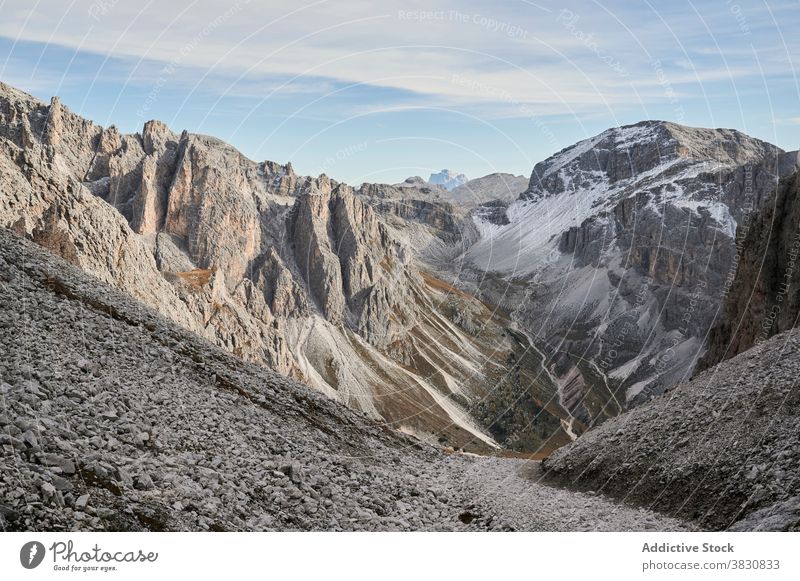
x=671 y=165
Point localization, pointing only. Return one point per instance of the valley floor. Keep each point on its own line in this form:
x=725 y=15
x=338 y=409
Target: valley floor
x=507 y=493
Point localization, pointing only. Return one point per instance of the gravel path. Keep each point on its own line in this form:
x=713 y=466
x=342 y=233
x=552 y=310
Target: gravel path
x=508 y=495
x=113 y=418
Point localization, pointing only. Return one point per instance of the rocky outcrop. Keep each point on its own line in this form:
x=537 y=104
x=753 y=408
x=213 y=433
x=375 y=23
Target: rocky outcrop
x=493 y=213
x=284 y=295
x=504 y=187
x=763 y=298
x=56 y=191
x=353 y=268
x=414 y=204
x=281 y=179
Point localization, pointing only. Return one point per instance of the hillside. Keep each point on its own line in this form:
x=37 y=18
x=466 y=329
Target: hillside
x=722 y=449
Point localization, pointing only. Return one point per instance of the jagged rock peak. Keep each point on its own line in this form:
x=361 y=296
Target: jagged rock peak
x=155 y=135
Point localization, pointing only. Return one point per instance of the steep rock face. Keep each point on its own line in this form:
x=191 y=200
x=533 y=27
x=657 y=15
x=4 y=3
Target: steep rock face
x=417 y=205
x=45 y=202
x=493 y=213
x=355 y=271
x=214 y=208
x=63 y=177
x=149 y=203
x=425 y=220
x=764 y=296
x=282 y=292
x=188 y=186
x=617 y=254
x=281 y=179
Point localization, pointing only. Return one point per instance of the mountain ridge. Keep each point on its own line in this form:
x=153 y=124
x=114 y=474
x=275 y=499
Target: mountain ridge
x=334 y=286
x=380 y=298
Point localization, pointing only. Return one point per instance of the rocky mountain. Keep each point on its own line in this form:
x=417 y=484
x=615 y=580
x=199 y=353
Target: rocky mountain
x=447 y=179
x=304 y=275
x=424 y=218
x=614 y=260
x=764 y=296
x=186 y=299
x=511 y=324
x=116 y=418
x=503 y=187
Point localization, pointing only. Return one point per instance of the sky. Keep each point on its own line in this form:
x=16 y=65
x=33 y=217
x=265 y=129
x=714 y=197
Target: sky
x=377 y=91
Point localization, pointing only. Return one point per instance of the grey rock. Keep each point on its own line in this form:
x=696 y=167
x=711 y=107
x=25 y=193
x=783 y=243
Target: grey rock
x=62 y=484
x=82 y=502
x=144 y=482
x=30 y=439
x=124 y=477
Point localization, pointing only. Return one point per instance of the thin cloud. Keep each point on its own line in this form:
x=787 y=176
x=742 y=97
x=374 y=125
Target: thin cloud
x=538 y=57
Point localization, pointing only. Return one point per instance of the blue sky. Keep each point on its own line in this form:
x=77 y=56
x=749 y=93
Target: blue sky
x=368 y=91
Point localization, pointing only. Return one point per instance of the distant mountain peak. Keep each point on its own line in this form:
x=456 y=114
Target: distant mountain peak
x=448 y=179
